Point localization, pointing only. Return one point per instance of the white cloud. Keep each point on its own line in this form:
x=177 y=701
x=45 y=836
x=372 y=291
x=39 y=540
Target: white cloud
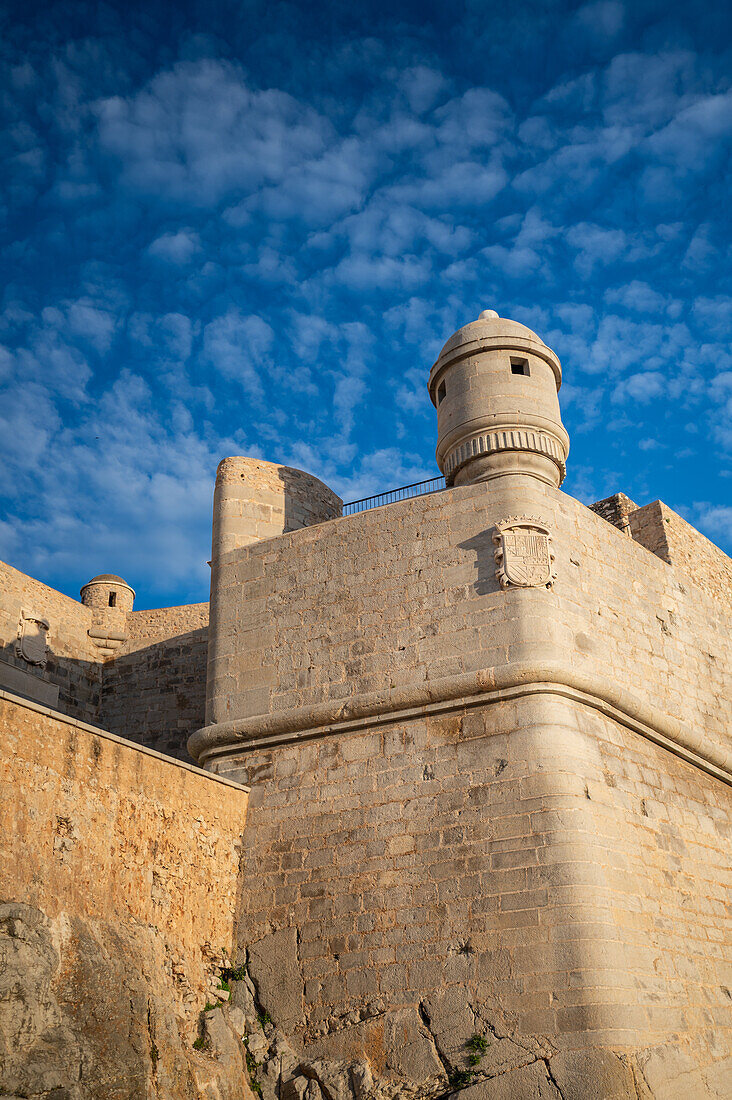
x=239 y=347
x=198 y=132
x=640 y=297
x=176 y=248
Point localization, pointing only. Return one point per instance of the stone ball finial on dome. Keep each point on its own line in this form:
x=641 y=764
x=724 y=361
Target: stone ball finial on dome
x=495 y=386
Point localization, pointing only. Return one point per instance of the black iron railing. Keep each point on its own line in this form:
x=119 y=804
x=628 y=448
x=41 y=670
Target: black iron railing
x=405 y=492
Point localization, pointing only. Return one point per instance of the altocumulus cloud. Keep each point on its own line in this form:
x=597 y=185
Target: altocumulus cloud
x=244 y=238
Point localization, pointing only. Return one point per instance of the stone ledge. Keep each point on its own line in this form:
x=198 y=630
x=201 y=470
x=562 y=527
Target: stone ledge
x=448 y=693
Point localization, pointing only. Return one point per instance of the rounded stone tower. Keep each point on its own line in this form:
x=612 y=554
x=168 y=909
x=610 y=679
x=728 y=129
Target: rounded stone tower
x=255 y=500
x=495 y=386
x=108 y=591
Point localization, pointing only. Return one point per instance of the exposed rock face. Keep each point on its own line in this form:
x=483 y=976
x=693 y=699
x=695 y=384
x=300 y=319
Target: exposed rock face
x=86 y=1013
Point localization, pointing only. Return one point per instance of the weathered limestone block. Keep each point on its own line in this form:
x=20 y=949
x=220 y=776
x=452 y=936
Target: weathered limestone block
x=669 y=1072
x=232 y=1078
x=38 y=1050
x=592 y=1075
x=451 y=1022
x=528 y=1083
x=410 y=1051
x=275 y=970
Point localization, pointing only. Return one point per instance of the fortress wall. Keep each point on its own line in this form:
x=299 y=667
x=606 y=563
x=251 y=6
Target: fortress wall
x=534 y=849
x=675 y=541
x=118 y=893
x=529 y=870
x=154 y=688
x=396 y=600
x=71 y=680
x=364 y=604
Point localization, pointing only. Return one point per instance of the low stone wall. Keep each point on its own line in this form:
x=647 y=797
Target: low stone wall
x=154 y=687
x=119 y=891
x=617 y=510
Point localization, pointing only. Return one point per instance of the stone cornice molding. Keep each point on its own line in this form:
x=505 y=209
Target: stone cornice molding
x=486 y=686
x=508 y=439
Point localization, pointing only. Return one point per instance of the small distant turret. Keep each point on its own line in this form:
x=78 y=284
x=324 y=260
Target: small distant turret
x=495 y=386
x=110 y=599
x=108 y=591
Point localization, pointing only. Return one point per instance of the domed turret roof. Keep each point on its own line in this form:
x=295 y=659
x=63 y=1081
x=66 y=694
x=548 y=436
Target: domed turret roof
x=107 y=578
x=493 y=331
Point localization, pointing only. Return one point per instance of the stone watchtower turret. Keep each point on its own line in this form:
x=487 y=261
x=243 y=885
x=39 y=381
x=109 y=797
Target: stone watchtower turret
x=111 y=599
x=495 y=386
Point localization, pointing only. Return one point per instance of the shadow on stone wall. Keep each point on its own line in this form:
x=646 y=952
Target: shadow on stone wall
x=154 y=696
x=485 y=551
x=78 y=682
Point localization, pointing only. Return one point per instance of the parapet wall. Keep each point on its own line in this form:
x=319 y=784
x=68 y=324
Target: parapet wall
x=690 y=553
x=119 y=891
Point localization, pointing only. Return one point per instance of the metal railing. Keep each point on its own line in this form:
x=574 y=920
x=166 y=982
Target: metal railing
x=405 y=492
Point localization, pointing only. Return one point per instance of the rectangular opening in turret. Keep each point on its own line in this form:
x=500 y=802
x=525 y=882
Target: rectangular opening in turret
x=112 y=599
x=441 y=392
x=520 y=366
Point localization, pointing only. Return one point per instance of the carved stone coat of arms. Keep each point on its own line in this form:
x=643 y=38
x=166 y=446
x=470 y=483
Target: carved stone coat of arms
x=524 y=557
x=31 y=643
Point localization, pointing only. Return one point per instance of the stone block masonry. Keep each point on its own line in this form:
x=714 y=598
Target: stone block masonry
x=616 y=510
x=71 y=677
x=154 y=687
x=507 y=808
x=675 y=541
x=119 y=886
x=535 y=874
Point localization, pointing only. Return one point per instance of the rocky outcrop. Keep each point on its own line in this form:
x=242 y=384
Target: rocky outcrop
x=89 y=1012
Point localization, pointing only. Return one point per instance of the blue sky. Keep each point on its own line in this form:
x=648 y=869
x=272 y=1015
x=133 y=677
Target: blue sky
x=248 y=229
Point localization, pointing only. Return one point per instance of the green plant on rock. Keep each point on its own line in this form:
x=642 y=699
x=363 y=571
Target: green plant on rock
x=263 y=1018
x=201 y=1043
x=223 y=984
x=252 y=1068
x=477 y=1044
x=208 y=1007
x=460 y=1078
x=234 y=973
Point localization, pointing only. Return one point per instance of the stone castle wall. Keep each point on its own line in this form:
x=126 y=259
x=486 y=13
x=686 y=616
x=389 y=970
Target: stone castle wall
x=551 y=881
x=150 y=688
x=381 y=609
x=255 y=500
x=119 y=892
x=675 y=541
x=154 y=687
x=71 y=679
x=459 y=818
x=616 y=510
